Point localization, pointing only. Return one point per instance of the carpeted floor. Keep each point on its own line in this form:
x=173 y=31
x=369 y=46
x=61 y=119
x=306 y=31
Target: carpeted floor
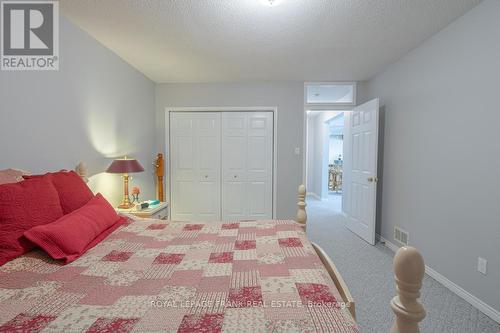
x=367 y=271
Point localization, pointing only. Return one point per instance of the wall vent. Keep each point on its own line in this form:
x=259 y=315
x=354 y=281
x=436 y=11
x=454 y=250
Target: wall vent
x=401 y=236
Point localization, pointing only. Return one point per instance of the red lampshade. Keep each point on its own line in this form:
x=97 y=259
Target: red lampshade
x=125 y=166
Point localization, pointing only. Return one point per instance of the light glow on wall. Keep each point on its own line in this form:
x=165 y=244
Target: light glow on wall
x=109 y=185
x=101 y=128
x=111 y=135
x=101 y=125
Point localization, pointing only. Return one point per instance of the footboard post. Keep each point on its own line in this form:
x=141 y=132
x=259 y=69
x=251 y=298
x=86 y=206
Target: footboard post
x=409 y=271
x=159 y=166
x=301 y=212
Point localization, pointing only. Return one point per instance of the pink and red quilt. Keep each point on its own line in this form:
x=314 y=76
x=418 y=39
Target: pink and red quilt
x=164 y=276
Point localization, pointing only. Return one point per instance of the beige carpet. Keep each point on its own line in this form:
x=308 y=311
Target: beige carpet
x=368 y=273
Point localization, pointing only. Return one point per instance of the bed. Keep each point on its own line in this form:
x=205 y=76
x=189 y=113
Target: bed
x=170 y=276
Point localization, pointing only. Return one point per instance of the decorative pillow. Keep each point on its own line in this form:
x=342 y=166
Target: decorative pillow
x=9 y=176
x=24 y=205
x=73 y=192
x=75 y=233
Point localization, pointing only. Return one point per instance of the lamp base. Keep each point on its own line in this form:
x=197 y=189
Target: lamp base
x=126 y=205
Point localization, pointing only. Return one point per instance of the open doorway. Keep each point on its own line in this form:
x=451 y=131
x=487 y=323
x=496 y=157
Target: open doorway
x=341 y=156
x=341 y=166
x=325 y=156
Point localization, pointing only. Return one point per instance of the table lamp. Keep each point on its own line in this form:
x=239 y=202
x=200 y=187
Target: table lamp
x=125 y=166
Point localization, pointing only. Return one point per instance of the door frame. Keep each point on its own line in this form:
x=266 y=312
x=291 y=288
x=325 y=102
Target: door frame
x=272 y=109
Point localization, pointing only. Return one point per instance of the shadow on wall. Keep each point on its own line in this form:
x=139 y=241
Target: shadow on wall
x=380 y=170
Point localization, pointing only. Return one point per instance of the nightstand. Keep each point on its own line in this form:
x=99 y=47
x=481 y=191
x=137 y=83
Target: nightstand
x=159 y=212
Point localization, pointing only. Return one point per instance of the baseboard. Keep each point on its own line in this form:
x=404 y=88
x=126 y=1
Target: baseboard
x=393 y=247
x=314 y=195
x=453 y=287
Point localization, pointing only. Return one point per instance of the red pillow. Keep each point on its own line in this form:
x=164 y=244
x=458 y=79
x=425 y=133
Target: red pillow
x=24 y=205
x=73 y=192
x=75 y=233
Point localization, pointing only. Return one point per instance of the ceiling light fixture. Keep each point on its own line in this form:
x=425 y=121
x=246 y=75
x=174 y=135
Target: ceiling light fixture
x=271 y=3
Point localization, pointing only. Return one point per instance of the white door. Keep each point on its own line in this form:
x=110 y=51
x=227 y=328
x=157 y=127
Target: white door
x=247 y=165
x=195 y=166
x=360 y=169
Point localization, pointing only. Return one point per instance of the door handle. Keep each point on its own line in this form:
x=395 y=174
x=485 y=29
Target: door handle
x=372 y=179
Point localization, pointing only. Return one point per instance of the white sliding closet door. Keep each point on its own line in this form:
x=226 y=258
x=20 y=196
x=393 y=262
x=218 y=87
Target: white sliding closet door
x=195 y=166
x=247 y=165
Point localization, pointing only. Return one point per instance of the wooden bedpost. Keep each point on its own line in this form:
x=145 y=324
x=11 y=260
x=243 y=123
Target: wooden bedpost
x=81 y=170
x=160 y=172
x=409 y=271
x=301 y=212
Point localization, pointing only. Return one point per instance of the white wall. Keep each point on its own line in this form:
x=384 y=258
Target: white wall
x=94 y=108
x=286 y=96
x=310 y=156
x=336 y=148
x=318 y=152
x=442 y=152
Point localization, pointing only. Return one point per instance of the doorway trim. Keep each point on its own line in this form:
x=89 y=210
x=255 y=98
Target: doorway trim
x=272 y=109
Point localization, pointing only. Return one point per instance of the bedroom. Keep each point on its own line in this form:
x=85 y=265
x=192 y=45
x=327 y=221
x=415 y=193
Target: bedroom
x=121 y=64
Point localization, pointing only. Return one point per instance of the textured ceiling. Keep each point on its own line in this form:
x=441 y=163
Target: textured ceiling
x=243 y=40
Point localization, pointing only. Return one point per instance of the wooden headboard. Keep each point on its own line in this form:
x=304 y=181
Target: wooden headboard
x=81 y=170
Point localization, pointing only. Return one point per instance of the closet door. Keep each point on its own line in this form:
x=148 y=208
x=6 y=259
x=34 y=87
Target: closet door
x=260 y=165
x=195 y=166
x=247 y=165
x=234 y=152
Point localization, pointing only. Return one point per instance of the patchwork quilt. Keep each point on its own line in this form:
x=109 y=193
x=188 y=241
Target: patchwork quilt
x=164 y=276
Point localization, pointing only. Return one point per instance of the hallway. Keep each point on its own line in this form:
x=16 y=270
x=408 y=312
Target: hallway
x=332 y=205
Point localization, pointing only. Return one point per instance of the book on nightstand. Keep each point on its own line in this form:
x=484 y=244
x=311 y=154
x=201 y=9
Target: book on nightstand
x=153 y=209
